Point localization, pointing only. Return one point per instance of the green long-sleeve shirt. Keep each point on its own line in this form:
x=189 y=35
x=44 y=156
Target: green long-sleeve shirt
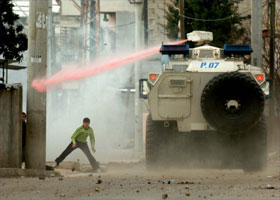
x=81 y=135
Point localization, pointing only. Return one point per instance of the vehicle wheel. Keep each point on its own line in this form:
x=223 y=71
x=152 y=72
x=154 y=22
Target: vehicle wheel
x=232 y=102
x=155 y=143
x=255 y=147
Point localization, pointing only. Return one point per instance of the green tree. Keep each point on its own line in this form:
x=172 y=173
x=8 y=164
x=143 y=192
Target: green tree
x=13 y=41
x=218 y=16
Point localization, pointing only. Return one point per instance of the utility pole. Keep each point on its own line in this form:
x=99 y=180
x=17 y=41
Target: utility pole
x=256 y=29
x=92 y=29
x=51 y=62
x=36 y=102
x=145 y=17
x=85 y=54
x=137 y=73
x=271 y=74
x=81 y=39
x=182 y=20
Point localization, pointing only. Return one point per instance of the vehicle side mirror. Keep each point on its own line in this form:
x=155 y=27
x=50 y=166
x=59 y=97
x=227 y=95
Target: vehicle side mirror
x=144 y=88
x=267 y=88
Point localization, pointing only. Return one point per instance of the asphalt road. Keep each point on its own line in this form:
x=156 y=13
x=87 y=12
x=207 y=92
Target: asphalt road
x=131 y=181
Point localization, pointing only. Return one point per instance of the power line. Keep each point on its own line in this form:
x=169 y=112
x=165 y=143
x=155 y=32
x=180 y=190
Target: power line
x=122 y=25
x=205 y=20
x=187 y=17
x=209 y=20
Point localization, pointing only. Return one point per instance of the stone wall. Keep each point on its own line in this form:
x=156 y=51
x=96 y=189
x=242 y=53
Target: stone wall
x=10 y=126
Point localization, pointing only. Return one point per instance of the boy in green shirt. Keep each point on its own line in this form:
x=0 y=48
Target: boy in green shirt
x=79 y=140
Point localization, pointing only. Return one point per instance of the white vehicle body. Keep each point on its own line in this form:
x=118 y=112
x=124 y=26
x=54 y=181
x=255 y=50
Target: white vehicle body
x=176 y=92
x=206 y=97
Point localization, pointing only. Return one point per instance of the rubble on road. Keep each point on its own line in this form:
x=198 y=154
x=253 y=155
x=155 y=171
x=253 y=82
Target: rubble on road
x=62 y=195
x=165 y=196
x=41 y=177
x=16 y=172
x=269 y=187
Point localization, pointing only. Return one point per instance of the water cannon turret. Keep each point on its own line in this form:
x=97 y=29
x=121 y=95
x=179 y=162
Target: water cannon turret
x=200 y=36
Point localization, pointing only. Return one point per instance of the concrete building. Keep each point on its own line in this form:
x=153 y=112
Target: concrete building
x=157 y=21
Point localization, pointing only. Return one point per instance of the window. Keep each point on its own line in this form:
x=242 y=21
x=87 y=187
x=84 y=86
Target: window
x=206 y=54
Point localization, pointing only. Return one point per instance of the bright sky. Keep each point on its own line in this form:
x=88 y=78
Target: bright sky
x=22 y=7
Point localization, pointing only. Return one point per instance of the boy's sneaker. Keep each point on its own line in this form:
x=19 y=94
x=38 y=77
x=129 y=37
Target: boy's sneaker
x=49 y=168
x=55 y=165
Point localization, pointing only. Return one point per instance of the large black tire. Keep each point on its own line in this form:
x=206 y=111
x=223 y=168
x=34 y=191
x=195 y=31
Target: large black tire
x=255 y=147
x=155 y=143
x=232 y=102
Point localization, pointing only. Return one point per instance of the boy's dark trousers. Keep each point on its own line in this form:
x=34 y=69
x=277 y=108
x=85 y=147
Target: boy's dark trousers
x=84 y=148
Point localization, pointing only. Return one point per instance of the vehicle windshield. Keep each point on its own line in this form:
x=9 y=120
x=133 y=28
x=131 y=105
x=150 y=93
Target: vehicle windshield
x=179 y=68
x=206 y=53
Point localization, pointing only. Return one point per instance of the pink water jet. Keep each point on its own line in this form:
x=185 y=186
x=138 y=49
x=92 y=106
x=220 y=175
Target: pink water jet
x=68 y=75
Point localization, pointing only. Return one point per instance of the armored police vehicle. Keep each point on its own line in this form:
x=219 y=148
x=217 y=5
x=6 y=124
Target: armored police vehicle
x=206 y=106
